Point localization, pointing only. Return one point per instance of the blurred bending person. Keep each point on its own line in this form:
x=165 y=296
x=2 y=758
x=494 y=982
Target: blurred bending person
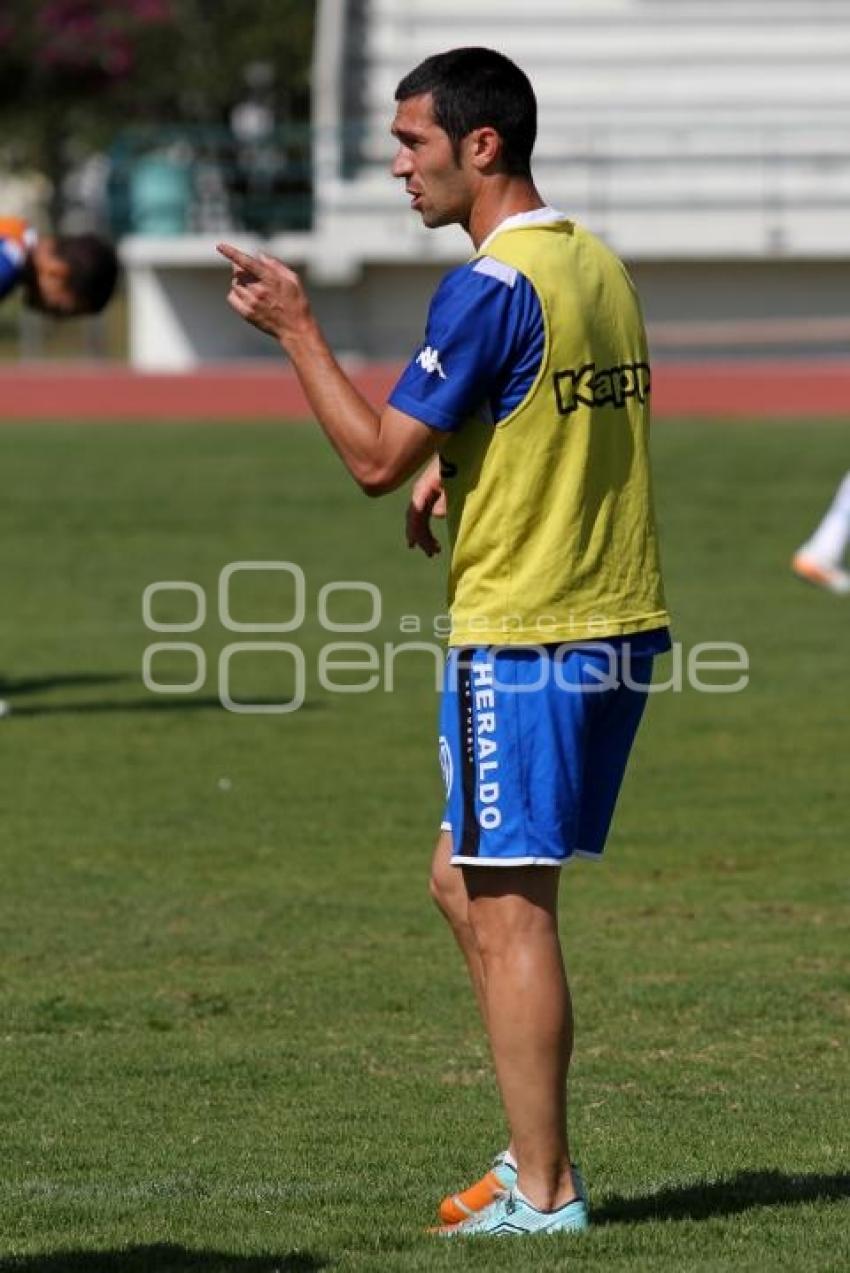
x=820 y=559
x=64 y=275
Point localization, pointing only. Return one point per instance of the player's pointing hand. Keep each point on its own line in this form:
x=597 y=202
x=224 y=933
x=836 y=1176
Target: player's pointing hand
x=267 y=294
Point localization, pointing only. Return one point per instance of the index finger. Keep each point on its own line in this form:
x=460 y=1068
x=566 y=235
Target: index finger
x=242 y=259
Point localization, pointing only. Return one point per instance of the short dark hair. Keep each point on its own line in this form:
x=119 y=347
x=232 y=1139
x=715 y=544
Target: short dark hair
x=92 y=269
x=478 y=88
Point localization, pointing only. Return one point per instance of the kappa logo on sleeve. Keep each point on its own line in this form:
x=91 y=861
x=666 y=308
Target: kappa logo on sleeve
x=429 y=360
x=613 y=386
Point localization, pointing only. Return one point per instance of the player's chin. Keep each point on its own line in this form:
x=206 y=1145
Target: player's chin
x=433 y=218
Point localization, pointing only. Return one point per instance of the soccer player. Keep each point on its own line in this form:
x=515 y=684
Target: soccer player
x=63 y=276
x=532 y=384
x=819 y=560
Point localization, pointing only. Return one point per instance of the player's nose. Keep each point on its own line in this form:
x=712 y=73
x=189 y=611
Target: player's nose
x=401 y=165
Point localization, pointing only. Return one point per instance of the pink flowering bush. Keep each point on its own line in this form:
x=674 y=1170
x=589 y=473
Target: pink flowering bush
x=92 y=39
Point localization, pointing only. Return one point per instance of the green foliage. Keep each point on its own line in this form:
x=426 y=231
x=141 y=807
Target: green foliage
x=80 y=70
x=236 y=1037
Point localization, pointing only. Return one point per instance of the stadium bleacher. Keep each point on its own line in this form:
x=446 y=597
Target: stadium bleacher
x=709 y=143
x=680 y=128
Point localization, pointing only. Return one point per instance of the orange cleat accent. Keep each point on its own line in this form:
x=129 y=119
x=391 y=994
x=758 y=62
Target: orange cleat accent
x=461 y=1206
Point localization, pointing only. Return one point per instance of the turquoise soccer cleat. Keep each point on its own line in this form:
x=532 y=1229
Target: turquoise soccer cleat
x=499 y=1180
x=513 y=1216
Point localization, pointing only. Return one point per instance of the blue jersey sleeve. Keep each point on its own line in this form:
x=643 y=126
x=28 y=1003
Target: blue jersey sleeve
x=11 y=264
x=483 y=346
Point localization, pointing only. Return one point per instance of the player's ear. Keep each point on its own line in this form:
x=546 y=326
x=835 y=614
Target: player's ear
x=485 y=147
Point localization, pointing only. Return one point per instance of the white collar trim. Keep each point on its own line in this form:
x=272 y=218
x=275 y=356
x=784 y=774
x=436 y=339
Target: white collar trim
x=536 y=216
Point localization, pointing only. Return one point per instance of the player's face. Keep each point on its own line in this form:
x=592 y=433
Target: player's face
x=439 y=185
x=46 y=283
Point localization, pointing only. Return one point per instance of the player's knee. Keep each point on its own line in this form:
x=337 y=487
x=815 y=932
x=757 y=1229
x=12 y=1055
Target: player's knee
x=440 y=893
x=508 y=925
x=490 y=936
x=448 y=895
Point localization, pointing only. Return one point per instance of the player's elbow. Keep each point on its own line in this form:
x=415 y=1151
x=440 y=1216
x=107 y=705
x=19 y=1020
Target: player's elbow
x=378 y=480
x=374 y=490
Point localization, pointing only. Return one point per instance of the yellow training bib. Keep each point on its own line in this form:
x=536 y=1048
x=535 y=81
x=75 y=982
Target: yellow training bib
x=550 y=511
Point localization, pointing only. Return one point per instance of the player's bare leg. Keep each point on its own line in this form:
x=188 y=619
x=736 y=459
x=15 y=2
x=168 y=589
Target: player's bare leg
x=513 y=915
x=448 y=889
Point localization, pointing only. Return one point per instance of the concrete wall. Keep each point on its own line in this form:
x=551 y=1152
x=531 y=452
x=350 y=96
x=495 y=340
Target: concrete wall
x=183 y=319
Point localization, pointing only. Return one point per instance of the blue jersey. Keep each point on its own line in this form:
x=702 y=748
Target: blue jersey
x=483 y=346
x=16 y=238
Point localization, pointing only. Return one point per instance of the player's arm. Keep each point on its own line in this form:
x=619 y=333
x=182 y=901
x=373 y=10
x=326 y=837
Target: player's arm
x=379 y=450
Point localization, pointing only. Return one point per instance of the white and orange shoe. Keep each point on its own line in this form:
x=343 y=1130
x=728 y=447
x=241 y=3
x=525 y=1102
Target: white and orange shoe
x=498 y=1181
x=821 y=573
x=513 y=1216
x=496 y=1184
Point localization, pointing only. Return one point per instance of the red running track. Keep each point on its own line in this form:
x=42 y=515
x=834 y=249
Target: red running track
x=754 y=390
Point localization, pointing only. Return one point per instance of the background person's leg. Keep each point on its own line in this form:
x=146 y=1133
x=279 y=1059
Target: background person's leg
x=819 y=559
x=513 y=914
x=829 y=541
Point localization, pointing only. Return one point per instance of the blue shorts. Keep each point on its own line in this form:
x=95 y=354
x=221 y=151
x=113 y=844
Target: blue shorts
x=533 y=746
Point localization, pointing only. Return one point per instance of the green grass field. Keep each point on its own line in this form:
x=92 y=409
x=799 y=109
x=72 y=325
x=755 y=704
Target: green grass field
x=235 y=1035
